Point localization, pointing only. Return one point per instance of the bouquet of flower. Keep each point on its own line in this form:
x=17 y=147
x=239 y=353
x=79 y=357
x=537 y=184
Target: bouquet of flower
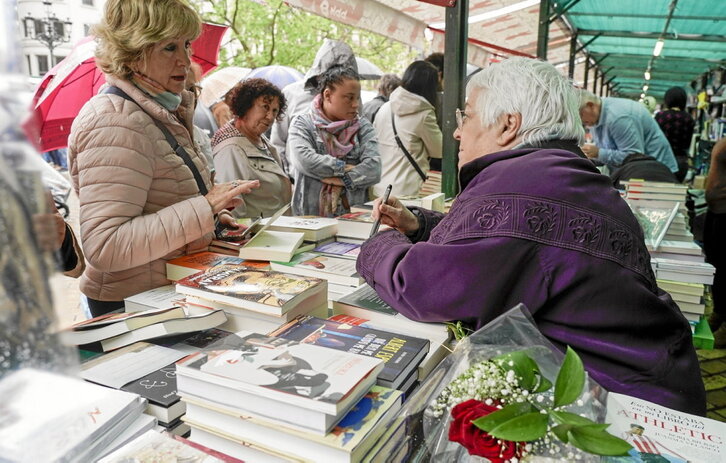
x=506 y=394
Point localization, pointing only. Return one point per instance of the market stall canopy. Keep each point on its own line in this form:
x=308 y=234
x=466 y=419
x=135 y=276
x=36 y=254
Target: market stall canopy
x=497 y=28
x=623 y=34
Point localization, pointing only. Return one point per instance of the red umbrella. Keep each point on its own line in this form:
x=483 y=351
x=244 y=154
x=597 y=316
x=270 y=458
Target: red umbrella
x=72 y=82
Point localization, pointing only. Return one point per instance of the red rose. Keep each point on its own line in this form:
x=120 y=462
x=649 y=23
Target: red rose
x=476 y=441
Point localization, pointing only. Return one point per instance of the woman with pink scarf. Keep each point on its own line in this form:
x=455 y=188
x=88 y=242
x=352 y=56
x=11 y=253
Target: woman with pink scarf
x=333 y=152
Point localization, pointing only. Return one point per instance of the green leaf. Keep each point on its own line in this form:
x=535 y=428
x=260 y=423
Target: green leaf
x=511 y=411
x=561 y=431
x=570 y=379
x=527 y=427
x=594 y=440
x=563 y=417
x=525 y=369
x=544 y=385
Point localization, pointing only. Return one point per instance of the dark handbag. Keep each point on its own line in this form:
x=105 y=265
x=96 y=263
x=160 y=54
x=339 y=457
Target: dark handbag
x=405 y=151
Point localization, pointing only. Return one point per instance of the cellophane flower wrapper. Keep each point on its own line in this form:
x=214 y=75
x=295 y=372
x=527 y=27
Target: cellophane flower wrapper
x=421 y=428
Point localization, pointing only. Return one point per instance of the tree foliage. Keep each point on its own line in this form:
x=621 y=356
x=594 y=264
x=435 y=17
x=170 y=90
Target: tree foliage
x=265 y=32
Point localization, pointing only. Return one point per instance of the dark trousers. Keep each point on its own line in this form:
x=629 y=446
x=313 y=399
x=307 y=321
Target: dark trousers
x=99 y=308
x=714 y=245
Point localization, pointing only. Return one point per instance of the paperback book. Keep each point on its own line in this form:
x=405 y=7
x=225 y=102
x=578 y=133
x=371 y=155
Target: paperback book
x=159 y=389
x=254 y=366
x=401 y=354
x=164 y=297
x=314 y=228
x=269 y=292
x=339 y=249
x=153 y=446
x=183 y=266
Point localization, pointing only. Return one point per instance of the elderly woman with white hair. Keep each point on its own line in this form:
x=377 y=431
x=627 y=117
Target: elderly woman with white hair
x=537 y=223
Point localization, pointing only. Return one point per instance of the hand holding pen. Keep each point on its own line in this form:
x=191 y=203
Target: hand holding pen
x=377 y=223
x=390 y=211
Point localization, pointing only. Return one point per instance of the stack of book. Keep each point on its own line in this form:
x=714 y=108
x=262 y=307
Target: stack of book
x=432 y=184
x=686 y=282
x=655 y=191
x=114 y=330
x=184 y=266
x=401 y=354
x=255 y=299
x=249 y=393
x=365 y=308
x=356 y=225
x=49 y=417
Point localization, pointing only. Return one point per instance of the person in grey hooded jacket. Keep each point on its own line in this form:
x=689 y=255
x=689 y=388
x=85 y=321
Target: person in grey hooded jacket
x=300 y=94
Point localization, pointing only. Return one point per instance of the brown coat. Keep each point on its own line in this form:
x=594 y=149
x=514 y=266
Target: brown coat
x=139 y=203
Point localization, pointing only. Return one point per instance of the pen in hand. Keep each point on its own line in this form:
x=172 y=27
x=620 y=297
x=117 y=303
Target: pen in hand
x=377 y=223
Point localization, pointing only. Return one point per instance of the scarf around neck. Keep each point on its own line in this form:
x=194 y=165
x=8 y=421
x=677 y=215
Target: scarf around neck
x=164 y=97
x=337 y=136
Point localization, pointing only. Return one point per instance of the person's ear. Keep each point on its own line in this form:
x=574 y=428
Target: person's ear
x=326 y=94
x=508 y=128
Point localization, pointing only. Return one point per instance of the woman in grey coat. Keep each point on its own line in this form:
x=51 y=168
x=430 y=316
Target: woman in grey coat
x=334 y=153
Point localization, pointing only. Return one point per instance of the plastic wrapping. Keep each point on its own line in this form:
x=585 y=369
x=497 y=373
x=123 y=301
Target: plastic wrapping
x=426 y=417
x=27 y=320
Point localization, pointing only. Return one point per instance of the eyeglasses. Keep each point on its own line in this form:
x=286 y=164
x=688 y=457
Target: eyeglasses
x=461 y=117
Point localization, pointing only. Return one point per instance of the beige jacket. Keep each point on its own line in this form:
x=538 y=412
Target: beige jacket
x=420 y=134
x=139 y=203
x=236 y=158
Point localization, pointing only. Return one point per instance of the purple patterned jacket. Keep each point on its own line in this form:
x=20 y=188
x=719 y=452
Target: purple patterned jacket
x=545 y=228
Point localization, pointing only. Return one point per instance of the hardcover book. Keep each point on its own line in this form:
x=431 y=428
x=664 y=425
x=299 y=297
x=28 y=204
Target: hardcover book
x=255 y=367
x=347 y=442
x=401 y=354
x=269 y=292
x=334 y=269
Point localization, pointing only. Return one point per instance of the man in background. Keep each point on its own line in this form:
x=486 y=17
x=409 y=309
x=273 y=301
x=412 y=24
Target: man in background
x=621 y=127
x=387 y=84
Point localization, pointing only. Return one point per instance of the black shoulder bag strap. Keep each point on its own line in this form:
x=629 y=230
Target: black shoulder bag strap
x=405 y=151
x=178 y=149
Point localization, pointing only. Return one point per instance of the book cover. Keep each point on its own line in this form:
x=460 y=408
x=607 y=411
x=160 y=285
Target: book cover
x=183 y=266
x=401 y=354
x=341 y=249
x=305 y=375
x=154 y=446
x=252 y=289
x=199 y=341
x=366 y=297
x=658 y=433
x=334 y=269
x=158 y=387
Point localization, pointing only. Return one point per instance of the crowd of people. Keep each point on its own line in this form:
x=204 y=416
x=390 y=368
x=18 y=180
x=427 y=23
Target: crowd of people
x=536 y=222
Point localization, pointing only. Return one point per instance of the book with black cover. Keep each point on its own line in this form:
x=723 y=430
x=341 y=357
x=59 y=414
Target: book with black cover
x=159 y=388
x=401 y=353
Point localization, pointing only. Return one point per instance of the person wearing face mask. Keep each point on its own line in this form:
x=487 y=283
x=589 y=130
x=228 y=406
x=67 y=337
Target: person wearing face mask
x=144 y=188
x=241 y=149
x=334 y=153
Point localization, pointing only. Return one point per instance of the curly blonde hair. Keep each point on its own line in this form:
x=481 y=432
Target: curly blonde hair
x=130 y=28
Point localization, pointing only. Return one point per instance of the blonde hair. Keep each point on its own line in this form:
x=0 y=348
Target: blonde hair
x=130 y=28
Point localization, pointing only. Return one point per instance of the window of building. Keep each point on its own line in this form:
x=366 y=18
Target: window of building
x=30 y=68
x=86 y=29
x=58 y=59
x=27 y=29
x=88 y=2
x=58 y=28
x=39 y=27
x=42 y=64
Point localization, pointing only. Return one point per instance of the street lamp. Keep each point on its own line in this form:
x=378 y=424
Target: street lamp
x=49 y=30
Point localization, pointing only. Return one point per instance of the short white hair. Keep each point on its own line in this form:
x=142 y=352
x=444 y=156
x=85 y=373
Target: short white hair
x=545 y=99
x=586 y=96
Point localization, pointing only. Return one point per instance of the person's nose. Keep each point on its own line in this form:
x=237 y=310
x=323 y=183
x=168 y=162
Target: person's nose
x=457 y=134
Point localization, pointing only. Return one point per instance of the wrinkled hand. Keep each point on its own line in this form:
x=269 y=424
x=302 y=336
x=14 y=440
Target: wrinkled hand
x=224 y=195
x=396 y=215
x=229 y=222
x=590 y=150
